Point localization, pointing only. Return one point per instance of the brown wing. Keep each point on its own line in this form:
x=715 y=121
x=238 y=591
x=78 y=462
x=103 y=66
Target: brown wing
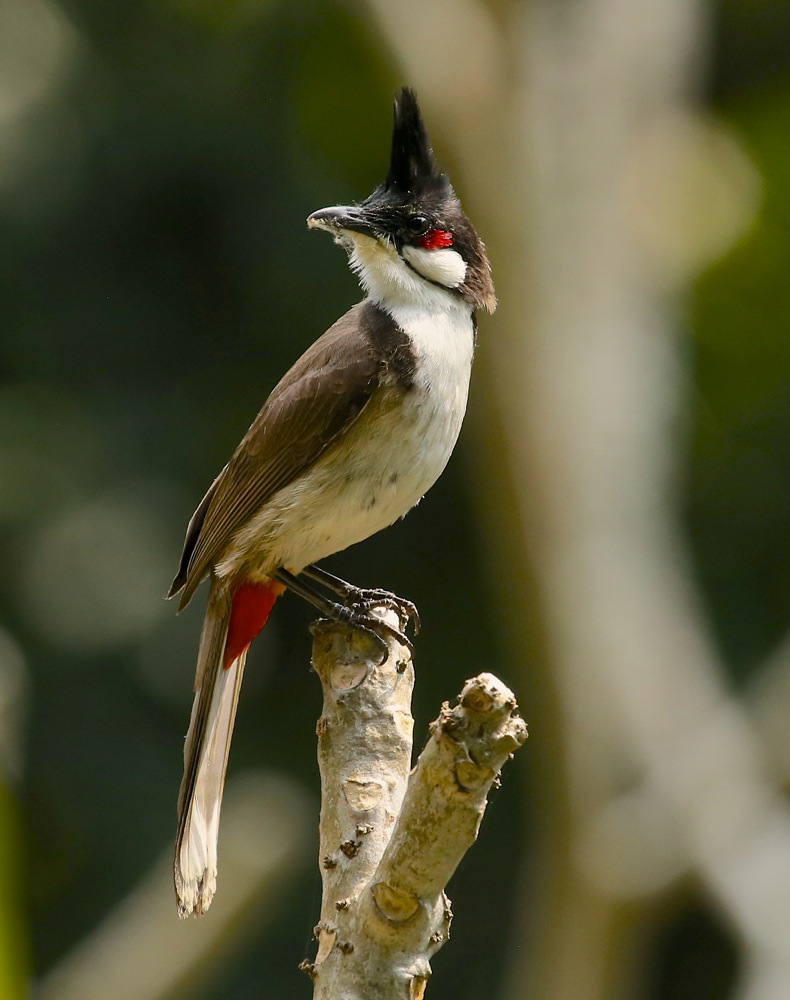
x=313 y=403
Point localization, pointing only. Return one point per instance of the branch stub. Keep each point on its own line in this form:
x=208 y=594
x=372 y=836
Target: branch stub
x=398 y=907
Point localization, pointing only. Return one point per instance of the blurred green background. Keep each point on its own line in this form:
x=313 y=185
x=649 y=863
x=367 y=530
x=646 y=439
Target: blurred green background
x=157 y=163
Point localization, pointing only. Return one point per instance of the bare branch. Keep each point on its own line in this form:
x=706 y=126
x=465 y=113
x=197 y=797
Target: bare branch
x=388 y=848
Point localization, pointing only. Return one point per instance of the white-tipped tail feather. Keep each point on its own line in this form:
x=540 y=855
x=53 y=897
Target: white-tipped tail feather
x=205 y=761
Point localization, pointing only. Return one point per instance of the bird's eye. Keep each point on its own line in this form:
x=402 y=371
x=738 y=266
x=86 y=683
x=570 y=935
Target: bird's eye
x=417 y=225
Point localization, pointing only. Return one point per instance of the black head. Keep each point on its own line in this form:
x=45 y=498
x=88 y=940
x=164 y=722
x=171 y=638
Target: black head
x=413 y=171
x=416 y=213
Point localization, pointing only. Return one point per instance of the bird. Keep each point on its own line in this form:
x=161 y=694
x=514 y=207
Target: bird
x=348 y=441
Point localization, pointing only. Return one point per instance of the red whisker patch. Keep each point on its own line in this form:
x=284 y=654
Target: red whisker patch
x=436 y=239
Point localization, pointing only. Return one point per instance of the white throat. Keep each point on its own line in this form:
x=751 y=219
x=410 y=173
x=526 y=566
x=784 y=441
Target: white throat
x=393 y=284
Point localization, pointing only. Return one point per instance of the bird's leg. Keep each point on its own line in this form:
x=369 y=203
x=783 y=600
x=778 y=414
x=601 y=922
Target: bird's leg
x=356 y=616
x=358 y=597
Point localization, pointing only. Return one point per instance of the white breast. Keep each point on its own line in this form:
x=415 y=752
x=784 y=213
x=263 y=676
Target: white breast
x=384 y=464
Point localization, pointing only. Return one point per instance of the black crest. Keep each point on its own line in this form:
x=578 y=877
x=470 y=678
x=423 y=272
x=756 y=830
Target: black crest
x=412 y=166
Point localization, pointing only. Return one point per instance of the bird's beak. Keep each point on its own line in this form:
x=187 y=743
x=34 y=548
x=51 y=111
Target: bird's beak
x=342 y=217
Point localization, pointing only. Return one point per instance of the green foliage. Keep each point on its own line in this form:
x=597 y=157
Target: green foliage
x=739 y=479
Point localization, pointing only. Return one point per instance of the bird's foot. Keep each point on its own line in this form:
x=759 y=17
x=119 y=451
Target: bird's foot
x=359 y=614
x=362 y=599
x=356 y=607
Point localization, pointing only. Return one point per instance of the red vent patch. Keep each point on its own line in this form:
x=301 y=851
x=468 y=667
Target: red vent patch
x=252 y=603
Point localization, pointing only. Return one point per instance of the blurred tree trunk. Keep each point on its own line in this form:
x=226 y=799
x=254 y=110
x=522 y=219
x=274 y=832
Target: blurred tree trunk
x=595 y=178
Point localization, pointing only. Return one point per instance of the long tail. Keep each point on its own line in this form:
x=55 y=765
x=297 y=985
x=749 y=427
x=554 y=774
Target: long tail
x=231 y=623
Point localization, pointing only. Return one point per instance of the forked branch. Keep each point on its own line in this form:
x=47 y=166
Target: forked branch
x=391 y=840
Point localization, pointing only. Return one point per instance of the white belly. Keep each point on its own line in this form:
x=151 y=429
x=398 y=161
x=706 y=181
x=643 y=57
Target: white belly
x=378 y=471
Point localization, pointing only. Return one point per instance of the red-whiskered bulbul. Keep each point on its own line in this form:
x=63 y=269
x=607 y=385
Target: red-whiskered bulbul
x=349 y=441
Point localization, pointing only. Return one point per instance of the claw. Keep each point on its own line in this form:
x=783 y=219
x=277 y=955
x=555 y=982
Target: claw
x=356 y=605
x=358 y=615
x=373 y=634
x=406 y=609
x=369 y=623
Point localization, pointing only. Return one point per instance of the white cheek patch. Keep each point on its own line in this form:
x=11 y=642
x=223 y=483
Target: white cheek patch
x=390 y=281
x=445 y=267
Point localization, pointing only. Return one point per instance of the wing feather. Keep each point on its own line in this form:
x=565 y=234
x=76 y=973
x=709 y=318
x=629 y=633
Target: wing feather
x=312 y=405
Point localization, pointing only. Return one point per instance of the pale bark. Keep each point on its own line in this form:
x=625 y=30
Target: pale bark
x=390 y=840
x=594 y=176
